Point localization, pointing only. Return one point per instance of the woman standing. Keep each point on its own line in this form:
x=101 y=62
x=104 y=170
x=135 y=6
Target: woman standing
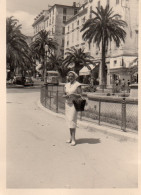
x=72 y=92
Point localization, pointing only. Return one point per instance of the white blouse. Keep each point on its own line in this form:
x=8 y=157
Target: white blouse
x=70 y=89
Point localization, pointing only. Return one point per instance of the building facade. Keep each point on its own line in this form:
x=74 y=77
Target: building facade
x=118 y=60
x=52 y=20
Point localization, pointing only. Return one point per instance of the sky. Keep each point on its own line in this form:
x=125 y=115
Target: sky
x=26 y=10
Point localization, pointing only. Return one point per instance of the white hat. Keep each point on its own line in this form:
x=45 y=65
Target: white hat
x=76 y=75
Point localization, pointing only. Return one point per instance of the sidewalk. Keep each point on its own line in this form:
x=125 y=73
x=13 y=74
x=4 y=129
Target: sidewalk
x=110 y=131
x=38 y=156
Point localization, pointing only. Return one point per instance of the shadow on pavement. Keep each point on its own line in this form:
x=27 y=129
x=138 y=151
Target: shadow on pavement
x=88 y=141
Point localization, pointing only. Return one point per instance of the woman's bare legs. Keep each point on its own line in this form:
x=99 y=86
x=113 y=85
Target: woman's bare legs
x=72 y=137
x=70 y=140
x=73 y=142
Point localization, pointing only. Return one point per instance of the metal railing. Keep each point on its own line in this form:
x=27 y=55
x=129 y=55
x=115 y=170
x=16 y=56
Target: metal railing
x=117 y=112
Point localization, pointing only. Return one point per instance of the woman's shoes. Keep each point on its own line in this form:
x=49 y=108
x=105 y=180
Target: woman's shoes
x=73 y=143
x=68 y=141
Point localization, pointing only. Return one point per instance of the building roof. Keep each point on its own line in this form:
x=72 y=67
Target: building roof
x=59 y=5
x=84 y=11
x=39 y=17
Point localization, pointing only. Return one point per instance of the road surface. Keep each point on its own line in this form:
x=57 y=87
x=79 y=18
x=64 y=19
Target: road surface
x=38 y=157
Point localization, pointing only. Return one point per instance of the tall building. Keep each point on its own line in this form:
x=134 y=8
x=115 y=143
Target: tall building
x=53 y=20
x=118 y=60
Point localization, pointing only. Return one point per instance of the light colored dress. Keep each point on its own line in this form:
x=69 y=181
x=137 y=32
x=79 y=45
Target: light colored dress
x=70 y=112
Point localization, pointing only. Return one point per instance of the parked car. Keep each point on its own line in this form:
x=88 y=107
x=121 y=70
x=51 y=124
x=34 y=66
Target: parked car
x=28 y=81
x=19 y=80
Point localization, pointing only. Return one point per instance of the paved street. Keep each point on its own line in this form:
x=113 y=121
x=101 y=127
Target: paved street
x=38 y=157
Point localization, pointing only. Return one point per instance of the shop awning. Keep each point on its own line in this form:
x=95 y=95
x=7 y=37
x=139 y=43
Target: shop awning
x=134 y=63
x=85 y=71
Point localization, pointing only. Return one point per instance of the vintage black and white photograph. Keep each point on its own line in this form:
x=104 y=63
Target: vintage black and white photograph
x=72 y=94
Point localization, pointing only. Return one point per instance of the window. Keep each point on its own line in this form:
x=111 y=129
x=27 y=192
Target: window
x=78 y=22
x=64 y=11
x=98 y=4
x=108 y=2
x=68 y=28
x=72 y=26
x=52 y=31
x=63 y=30
x=115 y=62
x=89 y=46
x=116 y=17
x=78 y=35
x=83 y=20
x=64 y=18
x=67 y=43
x=90 y=12
x=75 y=11
x=62 y=42
x=62 y=52
x=117 y=1
x=131 y=33
x=52 y=19
x=72 y=36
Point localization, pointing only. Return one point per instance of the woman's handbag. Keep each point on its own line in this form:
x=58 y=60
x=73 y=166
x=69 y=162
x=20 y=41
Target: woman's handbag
x=79 y=104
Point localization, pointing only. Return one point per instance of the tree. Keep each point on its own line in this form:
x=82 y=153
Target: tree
x=102 y=29
x=16 y=47
x=56 y=63
x=78 y=58
x=38 y=46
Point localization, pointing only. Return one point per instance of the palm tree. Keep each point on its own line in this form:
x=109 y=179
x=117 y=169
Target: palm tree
x=78 y=58
x=56 y=63
x=16 y=46
x=38 y=46
x=102 y=29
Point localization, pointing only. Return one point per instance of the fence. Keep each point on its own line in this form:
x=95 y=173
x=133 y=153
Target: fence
x=117 y=112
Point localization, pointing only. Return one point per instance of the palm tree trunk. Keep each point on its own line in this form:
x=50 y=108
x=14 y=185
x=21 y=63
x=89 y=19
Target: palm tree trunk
x=103 y=76
x=45 y=70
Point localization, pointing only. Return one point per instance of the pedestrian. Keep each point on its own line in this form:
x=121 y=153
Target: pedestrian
x=14 y=80
x=123 y=84
x=128 y=84
x=117 y=85
x=72 y=92
x=117 y=82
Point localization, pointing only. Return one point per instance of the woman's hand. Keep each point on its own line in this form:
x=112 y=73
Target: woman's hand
x=75 y=95
x=65 y=96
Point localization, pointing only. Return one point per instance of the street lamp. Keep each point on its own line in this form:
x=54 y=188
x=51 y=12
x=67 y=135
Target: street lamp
x=45 y=64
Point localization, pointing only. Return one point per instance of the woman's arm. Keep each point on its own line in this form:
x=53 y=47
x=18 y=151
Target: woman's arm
x=65 y=94
x=78 y=92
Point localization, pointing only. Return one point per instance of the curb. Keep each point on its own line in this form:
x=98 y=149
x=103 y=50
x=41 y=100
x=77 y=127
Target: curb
x=21 y=87
x=119 y=134
x=14 y=86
